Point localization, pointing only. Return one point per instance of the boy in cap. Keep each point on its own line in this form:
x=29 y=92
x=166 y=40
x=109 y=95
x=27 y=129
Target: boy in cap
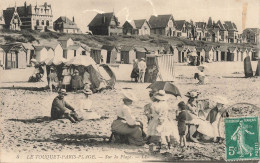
x=61 y=109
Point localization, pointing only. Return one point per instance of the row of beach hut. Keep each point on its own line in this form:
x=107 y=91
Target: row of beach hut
x=19 y=55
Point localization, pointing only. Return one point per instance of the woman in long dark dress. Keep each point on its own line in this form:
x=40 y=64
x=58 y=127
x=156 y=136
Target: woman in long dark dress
x=135 y=71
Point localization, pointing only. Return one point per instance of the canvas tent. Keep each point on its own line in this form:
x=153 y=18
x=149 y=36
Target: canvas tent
x=85 y=63
x=164 y=64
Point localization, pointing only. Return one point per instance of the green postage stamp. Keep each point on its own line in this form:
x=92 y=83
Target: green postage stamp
x=242 y=138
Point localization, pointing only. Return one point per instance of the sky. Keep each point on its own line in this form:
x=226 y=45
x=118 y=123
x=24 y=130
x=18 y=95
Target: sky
x=197 y=10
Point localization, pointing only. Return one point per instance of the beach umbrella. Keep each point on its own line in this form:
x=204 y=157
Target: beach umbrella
x=168 y=87
x=55 y=61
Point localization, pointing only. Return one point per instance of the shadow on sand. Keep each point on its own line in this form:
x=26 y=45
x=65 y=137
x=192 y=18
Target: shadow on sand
x=35 y=120
x=27 y=88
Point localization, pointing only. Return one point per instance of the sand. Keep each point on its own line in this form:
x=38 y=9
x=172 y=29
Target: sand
x=26 y=128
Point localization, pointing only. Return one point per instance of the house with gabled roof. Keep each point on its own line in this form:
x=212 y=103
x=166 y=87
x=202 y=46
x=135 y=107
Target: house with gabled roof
x=136 y=27
x=201 y=29
x=232 y=31
x=251 y=35
x=2 y=20
x=12 y=19
x=222 y=31
x=183 y=28
x=65 y=25
x=162 y=25
x=34 y=17
x=112 y=53
x=105 y=24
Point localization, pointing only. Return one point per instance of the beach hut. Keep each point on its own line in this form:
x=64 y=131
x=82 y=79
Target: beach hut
x=15 y=56
x=209 y=53
x=232 y=54
x=164 y=68
x=128 y=54
x=74 y=51
x=29 y=49
x=250 y=52
x=50 y=54
x=243 y=53
x=223 y=50
x=201 y=53
x=239 y=54
x=95 y=53
x=181 y=54
x=2 y=57
x=41 y=53
x=140 y=53
x=112 y=53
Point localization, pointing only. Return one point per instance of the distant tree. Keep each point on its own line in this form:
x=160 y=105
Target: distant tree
x=210 y=23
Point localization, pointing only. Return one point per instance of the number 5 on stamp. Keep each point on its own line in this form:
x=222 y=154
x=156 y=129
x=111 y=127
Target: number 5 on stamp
x=242 y=138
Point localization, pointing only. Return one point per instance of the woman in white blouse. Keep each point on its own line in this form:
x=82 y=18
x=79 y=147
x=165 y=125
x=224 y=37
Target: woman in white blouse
x=126 y=125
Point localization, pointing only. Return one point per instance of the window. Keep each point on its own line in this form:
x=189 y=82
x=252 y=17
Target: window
x=41 y=10
x=37 y=22
x=83 y=52
x=75 y=53
x=47 y=23
x=42 y=22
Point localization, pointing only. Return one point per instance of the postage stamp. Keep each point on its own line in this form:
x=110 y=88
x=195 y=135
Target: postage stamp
x=242 y=138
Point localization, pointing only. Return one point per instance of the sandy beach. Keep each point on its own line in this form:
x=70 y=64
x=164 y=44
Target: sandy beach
x=26 y=128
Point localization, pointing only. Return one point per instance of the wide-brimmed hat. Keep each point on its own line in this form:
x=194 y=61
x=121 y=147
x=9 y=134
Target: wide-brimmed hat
x=143 y=59
x=192 y=94
x=221 y=100
x=52 y=68
x=62 y=91
x=34 y=60
x=161 y=95
x=129 y=95
x=87 y=92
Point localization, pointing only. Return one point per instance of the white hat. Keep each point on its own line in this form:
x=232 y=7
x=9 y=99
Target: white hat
x=34 y=60
x=202 y=67
x=129 y=95
x=143 y=59
x=161 y=95
x=220 y=100
x=62 y=91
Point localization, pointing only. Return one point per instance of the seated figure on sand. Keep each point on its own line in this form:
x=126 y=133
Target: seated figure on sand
x=200 y=75
x=60 y=109
x=126 y=129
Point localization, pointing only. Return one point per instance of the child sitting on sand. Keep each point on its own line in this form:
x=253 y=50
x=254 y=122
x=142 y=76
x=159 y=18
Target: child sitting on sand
x=181 y=117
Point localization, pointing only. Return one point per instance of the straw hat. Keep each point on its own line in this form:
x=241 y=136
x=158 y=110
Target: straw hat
x=192 y=94
x=34 y=60
x=87 y=92
x=129 y=95
x=221 y=100
x=62 y=91
x=161 y=95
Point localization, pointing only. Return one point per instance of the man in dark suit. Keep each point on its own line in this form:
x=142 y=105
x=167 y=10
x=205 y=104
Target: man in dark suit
x=61 y=109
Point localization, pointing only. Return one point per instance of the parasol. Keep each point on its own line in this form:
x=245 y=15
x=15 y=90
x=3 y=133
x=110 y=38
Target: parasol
x=81 y=61
x=168 y=87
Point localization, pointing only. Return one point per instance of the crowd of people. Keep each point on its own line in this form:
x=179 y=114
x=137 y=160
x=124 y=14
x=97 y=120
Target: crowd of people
x=190 y=122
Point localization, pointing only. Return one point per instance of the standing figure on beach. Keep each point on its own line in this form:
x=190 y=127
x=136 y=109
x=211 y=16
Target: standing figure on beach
x=135 y=71
x=142 y=69
x=76 y=81
x=159 y=124
x=248 y=67
x=182 y=116
x=54 y=81
x=239 y=137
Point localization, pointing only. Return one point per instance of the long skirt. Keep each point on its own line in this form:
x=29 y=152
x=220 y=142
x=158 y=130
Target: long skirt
x=133 y=134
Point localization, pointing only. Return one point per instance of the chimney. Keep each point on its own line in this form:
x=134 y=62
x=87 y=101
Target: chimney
x=73 y=19
x=244 y=15
x=25 y=7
